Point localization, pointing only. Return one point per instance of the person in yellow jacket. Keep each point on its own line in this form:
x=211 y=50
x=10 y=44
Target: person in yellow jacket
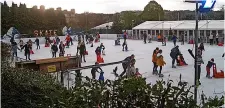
x=154 y=60
x=160 y=62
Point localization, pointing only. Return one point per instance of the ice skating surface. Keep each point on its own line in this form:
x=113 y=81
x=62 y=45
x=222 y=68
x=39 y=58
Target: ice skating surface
x=143 y=56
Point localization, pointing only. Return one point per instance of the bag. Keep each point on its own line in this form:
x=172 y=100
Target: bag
x=86 y=53
x=31 y=52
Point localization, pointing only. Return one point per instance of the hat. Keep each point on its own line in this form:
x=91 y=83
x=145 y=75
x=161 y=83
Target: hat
x=212 y=59
x=132 y=55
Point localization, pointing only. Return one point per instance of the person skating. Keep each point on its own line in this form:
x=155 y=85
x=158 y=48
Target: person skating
x=138 y=74
x=174 y=54
x=14 y=49
x=57 y=40
x=149 y=38
x=217 y=38
x=181 y=60
x=102 y=48
x=101 y=76
x=95 y=69
x=86 y=37
x=131 y=70
x=47 y=40
x=21 y=44
x=154 y=60
x=54 y=49
x=174 y=38
x=98 y=54
x=125 y=36
x=82 y=49
x=71 y=40
x=199 y=62
x=208 y=67
x=61 y=49
x=126 y=63
x=125 y=46
x=91 y=41
x=67 y=41
x=27 y=49
x=201 y=47
x=37 y=43
x=145 y=36
x=182 y=39
x=160 y=62
x=211 y=39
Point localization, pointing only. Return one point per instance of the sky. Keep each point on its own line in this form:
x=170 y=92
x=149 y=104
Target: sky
x=109 y=6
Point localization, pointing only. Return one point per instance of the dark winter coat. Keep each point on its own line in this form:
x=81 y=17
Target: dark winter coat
x=82 y=49
x=102 y=47
x=37 y=41
x=210 y=64
x=128 y=61
x=61 y=48
x=14 y=48
x=98 y=50
x=54 y=48
x=174 y=53
x=145 y=36
x=174 y=38
x=26 y=48
x=57 y=40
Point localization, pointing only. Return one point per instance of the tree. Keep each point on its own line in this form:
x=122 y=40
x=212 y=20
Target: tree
x=152 y=12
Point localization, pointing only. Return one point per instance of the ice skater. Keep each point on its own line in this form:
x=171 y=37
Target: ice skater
x=21 y=44
x=54 y=49
x=126 y=63
x=14 y=49
x=95 y=69
x=82 y=49
x=174 y=54
x=102 y=48
x=174 y=38
x=125 y=46
x=131 y=70
x=61 y=49
x=27 y=49
x=160 y=62
x=208 y=67
x=145 y=36
x=37 y=43
x=154 y=60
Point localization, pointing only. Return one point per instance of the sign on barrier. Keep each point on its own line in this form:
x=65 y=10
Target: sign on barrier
x=51 y=68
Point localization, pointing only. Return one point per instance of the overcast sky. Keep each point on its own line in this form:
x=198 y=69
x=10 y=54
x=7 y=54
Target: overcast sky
x=109 y=6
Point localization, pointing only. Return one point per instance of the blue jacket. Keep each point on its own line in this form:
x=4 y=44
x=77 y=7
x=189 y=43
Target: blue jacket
x=101 y=76
x=174 y=38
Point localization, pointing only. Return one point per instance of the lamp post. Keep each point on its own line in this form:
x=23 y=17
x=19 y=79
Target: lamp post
x=132 y=28
x=196 y=48
x=207 y=5
x=107 y=26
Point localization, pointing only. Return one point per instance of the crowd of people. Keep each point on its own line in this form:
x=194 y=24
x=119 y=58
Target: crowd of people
x=128 y=64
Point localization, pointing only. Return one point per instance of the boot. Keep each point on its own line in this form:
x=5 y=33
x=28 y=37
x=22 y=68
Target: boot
x=155 y=72
x=208 y=76
x=161 y=75
x=173 y=66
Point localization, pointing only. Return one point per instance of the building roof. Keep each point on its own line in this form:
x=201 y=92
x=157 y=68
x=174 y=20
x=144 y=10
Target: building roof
x=103 y=26
x=182 y=25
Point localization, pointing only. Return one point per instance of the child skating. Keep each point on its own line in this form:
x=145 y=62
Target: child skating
x=160 y=62
x=208 y=67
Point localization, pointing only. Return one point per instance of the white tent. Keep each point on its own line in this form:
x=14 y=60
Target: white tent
x=103 y=26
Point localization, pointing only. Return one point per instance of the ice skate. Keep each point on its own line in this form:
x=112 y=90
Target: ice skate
x=161 y=75
x=173 y=66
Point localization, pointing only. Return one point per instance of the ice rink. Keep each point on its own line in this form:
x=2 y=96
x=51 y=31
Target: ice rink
x=143 y=56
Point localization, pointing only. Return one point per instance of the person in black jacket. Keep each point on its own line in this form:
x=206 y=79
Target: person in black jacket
x=57 y=40
x=145 y=37
x=27 y=49
x=54 y=50
x=61 y=49
x=94 y=70
x=174 y=54
x=71 y=40
x=208 y=66
x=126 y=64
x=37 y=43
x=201 y=47
x=82 y=49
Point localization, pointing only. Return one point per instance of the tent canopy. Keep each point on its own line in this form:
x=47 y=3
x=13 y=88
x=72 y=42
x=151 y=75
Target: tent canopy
x=103 y=26
x=181 y=25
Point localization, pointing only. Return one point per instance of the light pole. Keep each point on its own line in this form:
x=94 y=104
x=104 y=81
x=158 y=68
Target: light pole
x=207 y=5
x=196 y=48
x=132 y=28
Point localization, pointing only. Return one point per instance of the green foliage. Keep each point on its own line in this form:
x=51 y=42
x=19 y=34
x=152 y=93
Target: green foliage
x=152 y=12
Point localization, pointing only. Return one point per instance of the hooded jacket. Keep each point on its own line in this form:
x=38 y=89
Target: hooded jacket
x=160 y=61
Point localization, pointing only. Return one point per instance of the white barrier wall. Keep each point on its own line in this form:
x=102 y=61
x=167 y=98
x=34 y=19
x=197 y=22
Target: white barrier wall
x=62 y=38
x=108 y=36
